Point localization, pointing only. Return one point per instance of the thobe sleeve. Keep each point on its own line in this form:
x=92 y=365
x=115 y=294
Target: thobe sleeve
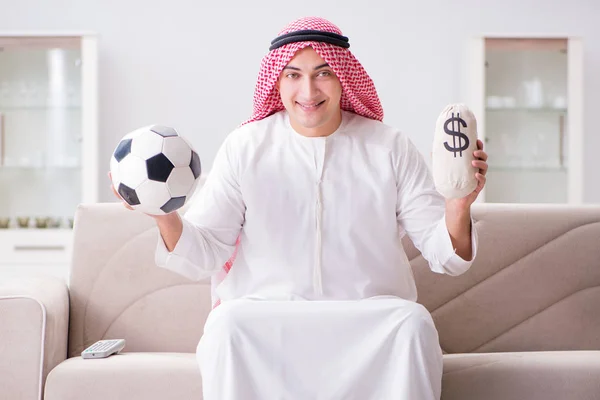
x=212 y=223
x=420 y=211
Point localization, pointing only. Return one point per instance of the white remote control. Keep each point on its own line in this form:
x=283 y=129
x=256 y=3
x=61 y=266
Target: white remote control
x=103 y=348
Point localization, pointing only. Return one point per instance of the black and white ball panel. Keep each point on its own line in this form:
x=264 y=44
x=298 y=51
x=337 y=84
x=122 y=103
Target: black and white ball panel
x=195 y=165
x=159 y=168
x=128 y=194
x=147 y=144
x=173 y=204
x=123 y=149
x=177 y=150
x=180 y=181
x=132 y=171
x=152 y=195
x=164 y=131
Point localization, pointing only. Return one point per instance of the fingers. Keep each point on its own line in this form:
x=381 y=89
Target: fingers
x=481 y=179
x=115 y=192
x=482 y=165
x=481 y=155
x=113 y=187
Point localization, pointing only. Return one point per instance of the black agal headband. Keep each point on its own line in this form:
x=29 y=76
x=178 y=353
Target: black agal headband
x=310 y=35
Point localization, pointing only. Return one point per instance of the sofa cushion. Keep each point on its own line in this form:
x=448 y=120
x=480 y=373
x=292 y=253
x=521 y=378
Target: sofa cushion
x=127 y=376
x=527 y=375
x=491 y=376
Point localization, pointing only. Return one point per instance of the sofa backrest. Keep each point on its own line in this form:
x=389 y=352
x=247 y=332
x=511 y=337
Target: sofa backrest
x=533 y=286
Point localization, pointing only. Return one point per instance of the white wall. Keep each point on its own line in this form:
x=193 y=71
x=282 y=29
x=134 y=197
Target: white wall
x=193 y=64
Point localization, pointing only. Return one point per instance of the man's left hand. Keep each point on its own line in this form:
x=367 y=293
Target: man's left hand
x=480 y=163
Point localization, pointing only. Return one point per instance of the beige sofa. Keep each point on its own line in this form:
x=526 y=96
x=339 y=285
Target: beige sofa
x=523 y=323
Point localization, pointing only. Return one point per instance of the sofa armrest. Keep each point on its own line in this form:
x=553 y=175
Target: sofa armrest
x=34 y=320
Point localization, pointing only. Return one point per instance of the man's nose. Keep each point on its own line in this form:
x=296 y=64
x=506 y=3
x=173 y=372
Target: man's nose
x=309 y=89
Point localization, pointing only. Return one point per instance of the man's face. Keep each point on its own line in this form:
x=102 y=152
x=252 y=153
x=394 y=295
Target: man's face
x=311 y=94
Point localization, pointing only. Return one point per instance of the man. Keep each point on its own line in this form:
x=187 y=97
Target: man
x=313 y=193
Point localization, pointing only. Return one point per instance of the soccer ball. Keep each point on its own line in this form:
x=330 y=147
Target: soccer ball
x=155 y=170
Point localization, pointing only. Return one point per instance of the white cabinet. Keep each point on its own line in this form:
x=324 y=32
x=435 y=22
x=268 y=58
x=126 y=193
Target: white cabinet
x=48 y=145
x=527 y=95
x=46 y=251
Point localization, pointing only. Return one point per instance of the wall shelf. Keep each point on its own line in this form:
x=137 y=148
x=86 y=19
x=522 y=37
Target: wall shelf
x=527 y=95
x=48 y=141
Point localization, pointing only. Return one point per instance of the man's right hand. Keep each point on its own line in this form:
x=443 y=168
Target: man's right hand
x=170 y=225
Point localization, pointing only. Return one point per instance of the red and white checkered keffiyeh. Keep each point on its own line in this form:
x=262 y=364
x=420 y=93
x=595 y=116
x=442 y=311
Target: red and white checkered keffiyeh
x=358 y=91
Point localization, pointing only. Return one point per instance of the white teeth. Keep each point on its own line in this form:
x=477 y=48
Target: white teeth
x=309 y=106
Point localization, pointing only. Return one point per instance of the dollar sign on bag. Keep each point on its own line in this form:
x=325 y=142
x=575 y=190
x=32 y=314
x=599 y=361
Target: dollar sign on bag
x=456 y=135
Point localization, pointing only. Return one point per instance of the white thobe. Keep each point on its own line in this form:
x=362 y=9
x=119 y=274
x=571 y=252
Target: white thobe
x=319 y=221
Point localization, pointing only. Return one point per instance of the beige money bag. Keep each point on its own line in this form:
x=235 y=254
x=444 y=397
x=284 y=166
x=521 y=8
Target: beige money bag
x=454 y=142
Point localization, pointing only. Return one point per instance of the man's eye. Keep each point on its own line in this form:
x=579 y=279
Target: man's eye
x=292 y=75
x=325 y=73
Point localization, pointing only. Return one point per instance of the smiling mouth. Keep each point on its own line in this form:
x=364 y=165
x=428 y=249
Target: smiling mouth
x=310 y=107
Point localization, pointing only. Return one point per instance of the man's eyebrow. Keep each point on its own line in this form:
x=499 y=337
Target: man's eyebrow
x=298 y=69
